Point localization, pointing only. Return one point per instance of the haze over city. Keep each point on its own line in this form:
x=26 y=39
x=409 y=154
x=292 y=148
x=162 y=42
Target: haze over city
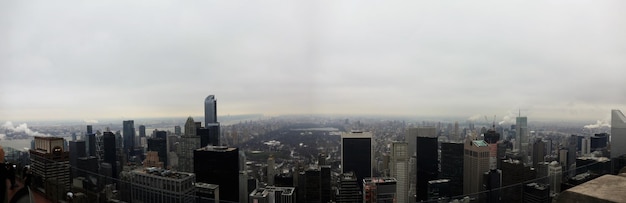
x=557 y=60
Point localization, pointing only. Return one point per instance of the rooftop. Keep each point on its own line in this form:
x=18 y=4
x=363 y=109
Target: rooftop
x=607 y=188
x=379 y=180
x=163 y=173
x=217 y=148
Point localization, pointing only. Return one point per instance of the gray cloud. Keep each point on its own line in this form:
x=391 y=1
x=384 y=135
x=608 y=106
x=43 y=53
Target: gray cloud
x=560 y=60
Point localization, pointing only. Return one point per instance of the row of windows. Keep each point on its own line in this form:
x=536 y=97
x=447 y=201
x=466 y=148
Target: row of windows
x=476 y=154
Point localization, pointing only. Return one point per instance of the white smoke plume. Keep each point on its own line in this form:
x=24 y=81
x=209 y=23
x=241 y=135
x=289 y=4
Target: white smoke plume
x=598 y=124
x=508 y=119
x=23 y=128
x=2 y=136
x=92 y=121
x=475 y=117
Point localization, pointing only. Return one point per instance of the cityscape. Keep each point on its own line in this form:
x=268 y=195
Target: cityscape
x=312 y=158
x=312 y=101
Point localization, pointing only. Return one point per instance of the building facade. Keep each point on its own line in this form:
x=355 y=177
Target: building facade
x=475 y=164
x=156 y=185
x=219 y=165
x=50 y=161
x=356 y=154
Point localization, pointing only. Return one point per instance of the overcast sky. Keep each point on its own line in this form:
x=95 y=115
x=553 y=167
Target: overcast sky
x=562 y=60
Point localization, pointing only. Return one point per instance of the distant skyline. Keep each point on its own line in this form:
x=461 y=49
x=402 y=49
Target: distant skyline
x=557 y=60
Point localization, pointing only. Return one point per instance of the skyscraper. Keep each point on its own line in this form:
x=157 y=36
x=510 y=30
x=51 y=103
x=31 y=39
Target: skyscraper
x=184 y=151
x=348 y=189
x=50 y=161
x=521 y=142
x=210 y=110
x=452 y=166
x=554 y=177
x=379 y=189
x=539 y=152
x=356 y=154
x=190 y=127
x=427 y=164
x=219 y=165
x=108 y=139
x=129 y=137
x=618 y=134
x=475 y=164
x=77 y=150
x=90 y=141
x=271 y=171
x=400 y=169
x=142 y=131
x=210 y=135
x=159 y=145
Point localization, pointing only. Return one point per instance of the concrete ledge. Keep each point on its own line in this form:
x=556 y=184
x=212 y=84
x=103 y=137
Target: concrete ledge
x=607 y=188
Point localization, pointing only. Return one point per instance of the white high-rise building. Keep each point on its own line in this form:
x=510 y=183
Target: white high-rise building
x=400 y=169
x=618 y=134
x=555 y=172
x=585 y=146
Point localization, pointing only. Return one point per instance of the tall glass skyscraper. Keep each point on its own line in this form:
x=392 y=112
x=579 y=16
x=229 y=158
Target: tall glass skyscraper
x=210 y=136
x=129 y=137
x=521 y=142
x=210 y=110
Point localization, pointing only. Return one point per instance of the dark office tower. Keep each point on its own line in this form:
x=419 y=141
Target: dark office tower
x=89 y=129
x=452 y=166
x=90 y=145
x=325 y=181
x=219 y=165
x=537 y=193
x=427 y=165
x=356 y=154
x=77 y=150
x=313 y=186
x=160 y=134
x=492 y=181
x=142 y=131
x=348 y=191
x=129 y=137
x=599 y=142
x=210 y=110
x=108 y=138
x=177 y=130
x=492 y=137
x=571 y=155
x=539 y=152
x=513 y=173
x=284 y=180
x=208 y=136
x=87 y=166
x=212 y=135
x=159 y=145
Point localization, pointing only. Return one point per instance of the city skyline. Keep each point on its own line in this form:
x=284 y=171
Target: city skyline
x=554 y=60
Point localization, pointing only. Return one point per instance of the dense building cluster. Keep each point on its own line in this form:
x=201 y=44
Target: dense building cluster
x=307 y=159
